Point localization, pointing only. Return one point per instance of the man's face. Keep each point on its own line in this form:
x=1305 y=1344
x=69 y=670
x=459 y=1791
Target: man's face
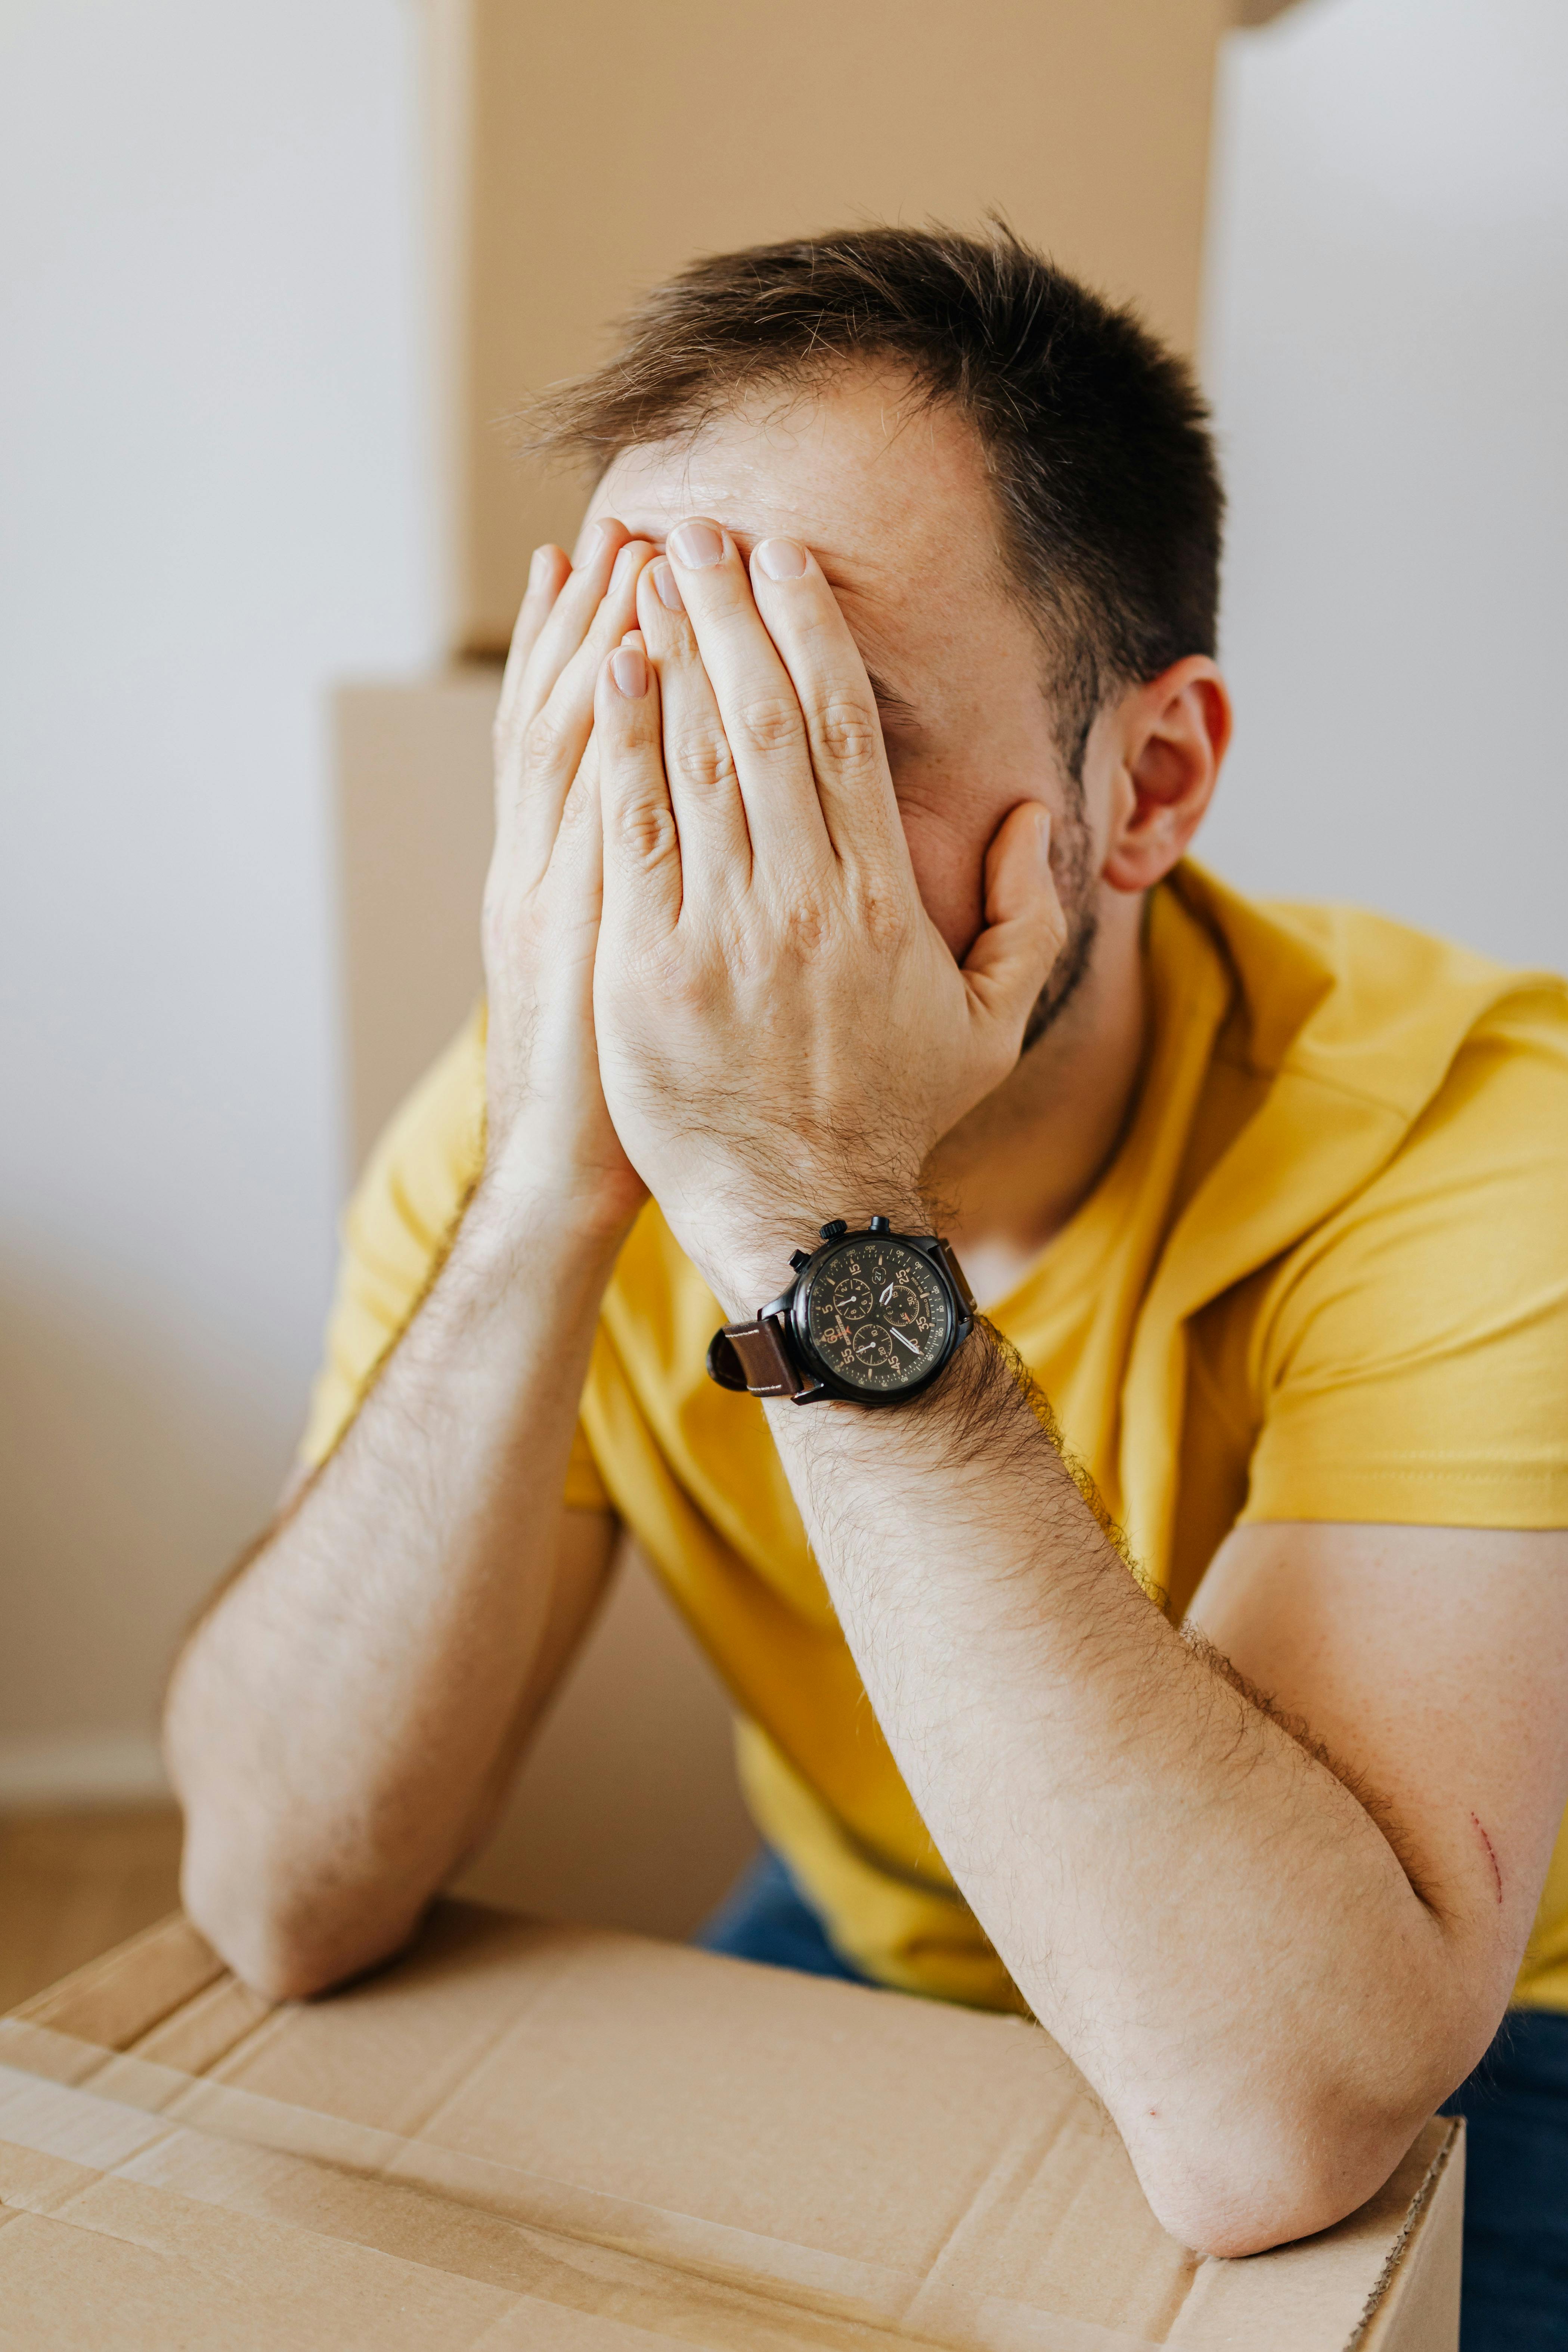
x=894 y=503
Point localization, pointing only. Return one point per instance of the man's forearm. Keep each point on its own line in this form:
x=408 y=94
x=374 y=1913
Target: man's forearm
x=340 y=1722
x=1197 y=1908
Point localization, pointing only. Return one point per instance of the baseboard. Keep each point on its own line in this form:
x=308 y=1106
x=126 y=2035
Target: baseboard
x=87 y=1769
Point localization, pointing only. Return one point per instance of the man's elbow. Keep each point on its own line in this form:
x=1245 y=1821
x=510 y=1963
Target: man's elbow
x=282 y=1944
x=1268 y=2181
x=276 y=1965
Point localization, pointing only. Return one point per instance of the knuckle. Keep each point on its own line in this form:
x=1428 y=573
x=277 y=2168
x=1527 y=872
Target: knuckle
x=576 y=810
x=769 y=724
x=805 y=928
x=645 y=830
x=701 y=759
x=880 y=911
x=845 y=730
x=543 y=742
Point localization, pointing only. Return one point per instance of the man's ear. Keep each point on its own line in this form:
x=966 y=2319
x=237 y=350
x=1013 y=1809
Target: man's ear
x=1171 y=738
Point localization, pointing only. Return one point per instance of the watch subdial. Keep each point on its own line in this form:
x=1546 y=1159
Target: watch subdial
x=850 y=1300
x=900 y=1304
x=872 y=1346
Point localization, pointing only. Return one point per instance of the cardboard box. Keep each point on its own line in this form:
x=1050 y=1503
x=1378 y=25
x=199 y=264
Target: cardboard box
x=549 y=2138
x=581 y=154
x=414 y=821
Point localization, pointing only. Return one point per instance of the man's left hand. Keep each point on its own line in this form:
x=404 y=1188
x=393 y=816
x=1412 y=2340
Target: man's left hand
x=783 y=1033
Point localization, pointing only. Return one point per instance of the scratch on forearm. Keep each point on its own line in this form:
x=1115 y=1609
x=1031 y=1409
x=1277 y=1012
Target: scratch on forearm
x=1491 y=1857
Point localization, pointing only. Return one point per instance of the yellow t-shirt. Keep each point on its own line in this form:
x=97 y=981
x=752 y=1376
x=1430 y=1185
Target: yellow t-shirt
x=1324 y=1278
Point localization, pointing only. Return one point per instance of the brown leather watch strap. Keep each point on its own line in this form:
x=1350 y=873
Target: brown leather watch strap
x=753 y=1356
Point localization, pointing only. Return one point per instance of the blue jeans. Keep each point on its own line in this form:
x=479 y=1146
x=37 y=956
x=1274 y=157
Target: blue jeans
x=1515 y=2104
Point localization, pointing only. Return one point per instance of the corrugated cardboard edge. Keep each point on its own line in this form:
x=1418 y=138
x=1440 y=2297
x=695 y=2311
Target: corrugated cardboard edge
x=1416 y=2283
x=124 y=1993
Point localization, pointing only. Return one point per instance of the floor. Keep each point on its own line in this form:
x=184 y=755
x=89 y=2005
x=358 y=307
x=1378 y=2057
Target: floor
x=72 y=1884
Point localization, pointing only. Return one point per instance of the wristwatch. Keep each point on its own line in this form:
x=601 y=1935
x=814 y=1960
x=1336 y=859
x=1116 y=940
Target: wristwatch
x=871 y=1317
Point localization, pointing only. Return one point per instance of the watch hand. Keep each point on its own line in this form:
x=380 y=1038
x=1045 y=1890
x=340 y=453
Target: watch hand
x=905 y=1343
x=885 y=1296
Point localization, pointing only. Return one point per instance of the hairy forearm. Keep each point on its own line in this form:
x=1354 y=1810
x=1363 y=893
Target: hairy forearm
x=1203 y=1914
x=339 y=1722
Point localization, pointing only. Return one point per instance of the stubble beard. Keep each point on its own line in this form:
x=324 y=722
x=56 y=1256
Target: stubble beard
x=1074 y=868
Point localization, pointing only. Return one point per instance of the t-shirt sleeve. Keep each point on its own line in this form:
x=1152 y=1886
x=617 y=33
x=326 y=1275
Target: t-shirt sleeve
x=396 y=1231
x=1410 y=1363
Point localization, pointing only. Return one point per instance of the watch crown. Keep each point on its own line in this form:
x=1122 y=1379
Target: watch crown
x=834 y=1229
x=881 y=1224
x=798 y=1258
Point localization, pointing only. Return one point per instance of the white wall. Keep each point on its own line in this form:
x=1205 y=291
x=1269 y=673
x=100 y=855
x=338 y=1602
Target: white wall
x=212 y=501
x=1389 y=350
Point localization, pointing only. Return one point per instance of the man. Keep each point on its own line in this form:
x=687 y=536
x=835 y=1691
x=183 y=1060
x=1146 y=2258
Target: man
x=844 y=789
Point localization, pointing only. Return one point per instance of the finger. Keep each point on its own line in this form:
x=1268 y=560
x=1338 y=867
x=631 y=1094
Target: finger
x=572 y=614
x=642 y=852
x=576 y=878
x=1024 y=926
x=553 y=742
x=757 y=703
x=548 y=571
x=555 y=614
x=848 y=757
x=698 y=767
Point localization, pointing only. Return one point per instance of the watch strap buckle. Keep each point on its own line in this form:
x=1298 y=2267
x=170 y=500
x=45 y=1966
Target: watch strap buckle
x=754 y=1358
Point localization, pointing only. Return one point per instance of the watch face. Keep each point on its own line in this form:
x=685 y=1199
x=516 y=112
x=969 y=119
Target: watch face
x=877 y=1314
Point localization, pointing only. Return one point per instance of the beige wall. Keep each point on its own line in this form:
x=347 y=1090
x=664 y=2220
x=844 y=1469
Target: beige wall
x=584 y=152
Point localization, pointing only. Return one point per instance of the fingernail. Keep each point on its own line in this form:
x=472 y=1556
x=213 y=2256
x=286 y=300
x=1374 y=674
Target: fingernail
x=621 y=569
x=536 y=566
x=629 y=671
x=697 y=545
x=1043 y=838
x=782 y=559
x=589 y=545
x=668 y=587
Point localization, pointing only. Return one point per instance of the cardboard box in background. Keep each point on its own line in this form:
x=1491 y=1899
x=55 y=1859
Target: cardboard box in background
x=537 y=2136
x=415 y=822
x=581 y=154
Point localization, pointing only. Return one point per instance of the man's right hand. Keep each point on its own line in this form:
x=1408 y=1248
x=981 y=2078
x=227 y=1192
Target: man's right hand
x=549 y=1144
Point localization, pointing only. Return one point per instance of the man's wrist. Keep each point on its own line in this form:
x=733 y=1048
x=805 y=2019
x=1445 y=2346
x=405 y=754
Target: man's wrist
x=528 y=1229
x=745 y=1253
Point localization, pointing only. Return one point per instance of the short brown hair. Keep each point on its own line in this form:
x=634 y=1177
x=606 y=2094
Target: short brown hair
x=1095 y=436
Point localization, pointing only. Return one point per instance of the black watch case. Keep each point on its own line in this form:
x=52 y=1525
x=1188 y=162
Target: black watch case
x=875 y=1316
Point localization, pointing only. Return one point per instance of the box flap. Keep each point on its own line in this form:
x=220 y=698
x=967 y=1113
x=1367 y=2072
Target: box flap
x=629 y=2136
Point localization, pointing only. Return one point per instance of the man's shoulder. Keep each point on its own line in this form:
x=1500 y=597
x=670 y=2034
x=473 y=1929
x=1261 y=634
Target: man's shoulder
x=1354 y=1004
x=1360 y=1062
